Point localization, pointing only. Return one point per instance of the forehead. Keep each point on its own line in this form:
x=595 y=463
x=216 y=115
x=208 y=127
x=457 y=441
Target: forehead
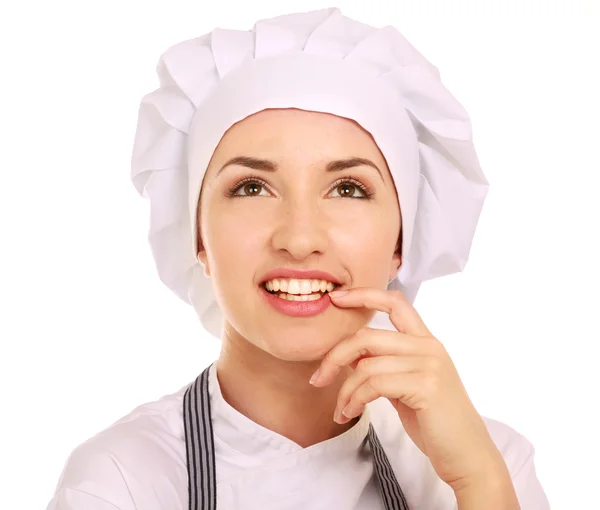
x=293 y=132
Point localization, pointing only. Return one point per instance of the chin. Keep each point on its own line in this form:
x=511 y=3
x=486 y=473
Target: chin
x=300 y=345
x=295 y=340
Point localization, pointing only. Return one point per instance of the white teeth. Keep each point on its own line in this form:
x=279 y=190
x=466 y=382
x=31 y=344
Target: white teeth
x=305 y=287
x=301 y=297
x=293 y=287
x=299 y=286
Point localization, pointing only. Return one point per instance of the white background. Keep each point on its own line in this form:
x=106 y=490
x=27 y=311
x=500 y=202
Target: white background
x=87 y=330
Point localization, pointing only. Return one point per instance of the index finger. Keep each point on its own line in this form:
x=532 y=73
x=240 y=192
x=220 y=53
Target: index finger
x=365 y=343
x=402 y=313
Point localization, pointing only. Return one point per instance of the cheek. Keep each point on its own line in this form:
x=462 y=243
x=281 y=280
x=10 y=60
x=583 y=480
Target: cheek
x=235 y=244
x=365 y=244
x=227 y=238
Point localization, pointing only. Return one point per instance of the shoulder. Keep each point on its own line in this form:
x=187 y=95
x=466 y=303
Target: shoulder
x=125 y=465
x=421 y=483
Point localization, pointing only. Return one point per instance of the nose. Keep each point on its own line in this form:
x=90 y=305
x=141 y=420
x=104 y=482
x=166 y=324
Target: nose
x=301 y=230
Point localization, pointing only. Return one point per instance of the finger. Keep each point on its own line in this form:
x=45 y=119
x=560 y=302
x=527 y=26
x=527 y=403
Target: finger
x=404 y=387
x=402 y=313
x=380 y=365
x=365 y=343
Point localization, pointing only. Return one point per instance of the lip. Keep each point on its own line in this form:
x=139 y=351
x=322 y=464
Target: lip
x=312 y=274
x=297 y=308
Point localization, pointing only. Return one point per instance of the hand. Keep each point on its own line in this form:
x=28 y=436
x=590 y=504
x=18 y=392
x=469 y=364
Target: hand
x=413 y=370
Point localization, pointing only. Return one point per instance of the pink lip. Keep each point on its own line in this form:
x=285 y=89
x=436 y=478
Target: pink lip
x=314 y=274
x=297 y=308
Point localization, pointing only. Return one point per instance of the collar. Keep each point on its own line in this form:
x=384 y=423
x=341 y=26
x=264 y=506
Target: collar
x=237 y=432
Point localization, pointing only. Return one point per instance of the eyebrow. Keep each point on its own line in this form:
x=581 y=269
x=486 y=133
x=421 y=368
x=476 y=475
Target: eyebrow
x=268 y=166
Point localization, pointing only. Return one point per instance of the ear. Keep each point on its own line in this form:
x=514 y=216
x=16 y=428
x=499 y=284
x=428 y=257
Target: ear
x=395 y=265
x=202 y=258
x=396 y=259
x=201 y=255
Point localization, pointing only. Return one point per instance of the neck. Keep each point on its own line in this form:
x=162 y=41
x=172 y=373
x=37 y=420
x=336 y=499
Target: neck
x=276 y=394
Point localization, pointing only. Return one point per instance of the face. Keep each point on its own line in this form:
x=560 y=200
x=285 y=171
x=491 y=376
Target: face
x=295 y=209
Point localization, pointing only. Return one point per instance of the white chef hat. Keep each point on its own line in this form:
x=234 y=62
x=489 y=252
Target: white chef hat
x=317 y=61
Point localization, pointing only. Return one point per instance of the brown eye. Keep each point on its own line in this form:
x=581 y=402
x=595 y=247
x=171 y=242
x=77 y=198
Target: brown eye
x=249 y=188
x=350 y=188
x=252 y=188
x=346 y=189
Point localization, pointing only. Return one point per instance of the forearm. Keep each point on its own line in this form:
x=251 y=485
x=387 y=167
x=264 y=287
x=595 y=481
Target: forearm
x=494 y=494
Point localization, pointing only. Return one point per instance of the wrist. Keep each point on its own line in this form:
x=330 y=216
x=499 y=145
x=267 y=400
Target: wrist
x=492 y=492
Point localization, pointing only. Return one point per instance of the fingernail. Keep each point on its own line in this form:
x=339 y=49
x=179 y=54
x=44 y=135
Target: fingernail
x=337 y=416
x=315 y=376
x=346 y=410
x=338 y=293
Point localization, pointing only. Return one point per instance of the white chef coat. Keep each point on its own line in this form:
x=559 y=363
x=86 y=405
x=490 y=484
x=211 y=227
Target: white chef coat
x=139 y=463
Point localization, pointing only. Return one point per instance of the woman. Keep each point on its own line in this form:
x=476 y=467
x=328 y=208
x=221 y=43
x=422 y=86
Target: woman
x=305 y=177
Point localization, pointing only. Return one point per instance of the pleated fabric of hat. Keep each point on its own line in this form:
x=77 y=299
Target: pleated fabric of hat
x=318 y=61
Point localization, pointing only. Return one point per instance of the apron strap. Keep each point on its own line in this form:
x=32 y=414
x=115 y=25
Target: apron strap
x=389 y=487
x=201 y=465
x=200 y=449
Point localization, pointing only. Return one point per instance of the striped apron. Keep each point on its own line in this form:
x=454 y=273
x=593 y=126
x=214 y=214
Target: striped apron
x=200 y=451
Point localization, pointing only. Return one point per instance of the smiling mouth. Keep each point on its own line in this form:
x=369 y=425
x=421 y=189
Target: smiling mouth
x=296 y=294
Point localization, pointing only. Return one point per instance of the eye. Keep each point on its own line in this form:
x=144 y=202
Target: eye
x=343 y=188
x=351 y=188
x=249 y=187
